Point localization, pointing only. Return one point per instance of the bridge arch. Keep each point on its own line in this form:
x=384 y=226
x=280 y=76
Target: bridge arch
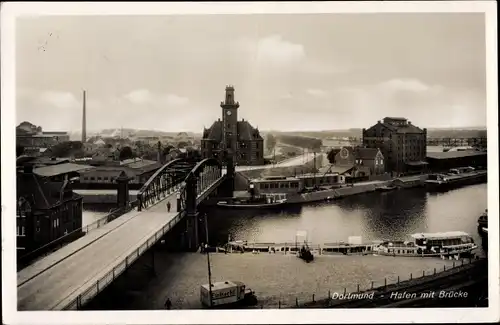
x=163 y=182
x=197 y=181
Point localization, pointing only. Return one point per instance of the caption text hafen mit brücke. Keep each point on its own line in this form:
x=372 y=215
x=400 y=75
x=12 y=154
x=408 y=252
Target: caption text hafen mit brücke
x=442 y=294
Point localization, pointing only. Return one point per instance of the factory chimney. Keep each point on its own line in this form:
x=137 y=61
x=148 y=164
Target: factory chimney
x=84 y=118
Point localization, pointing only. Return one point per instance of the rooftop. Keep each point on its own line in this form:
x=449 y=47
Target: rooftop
x=61 y=169
x=455 y=154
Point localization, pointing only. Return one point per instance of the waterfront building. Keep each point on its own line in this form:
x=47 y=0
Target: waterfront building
x=362 y=162
x=444 y=161
x=403 y=145
x=46 y=210
x=240 y=138
x=103 y=174
x=35 y=141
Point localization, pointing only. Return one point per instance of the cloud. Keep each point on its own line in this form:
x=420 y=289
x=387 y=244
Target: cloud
x=425 y=104
x=145 y=97
x=274 y=49
x=62 y=100
x=316 y=92
x=411 y=85
x=273 y=53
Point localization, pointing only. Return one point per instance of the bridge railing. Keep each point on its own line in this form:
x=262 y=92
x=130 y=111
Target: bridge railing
x=118 y=269
x=71 y=236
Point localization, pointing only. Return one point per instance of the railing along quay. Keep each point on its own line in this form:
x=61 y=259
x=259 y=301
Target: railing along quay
x=416 y=283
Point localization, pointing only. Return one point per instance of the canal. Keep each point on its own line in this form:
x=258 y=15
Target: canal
x=373 y=216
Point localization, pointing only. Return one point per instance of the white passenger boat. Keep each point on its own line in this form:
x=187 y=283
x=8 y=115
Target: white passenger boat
x=453 y=243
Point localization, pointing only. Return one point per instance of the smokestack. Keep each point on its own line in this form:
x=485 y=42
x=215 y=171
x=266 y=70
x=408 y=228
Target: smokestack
x=84 y=118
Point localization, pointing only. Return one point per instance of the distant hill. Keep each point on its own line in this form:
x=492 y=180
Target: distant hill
x=464 y=132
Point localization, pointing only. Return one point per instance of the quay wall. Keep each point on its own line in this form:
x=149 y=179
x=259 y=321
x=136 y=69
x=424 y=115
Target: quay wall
x=424 y=281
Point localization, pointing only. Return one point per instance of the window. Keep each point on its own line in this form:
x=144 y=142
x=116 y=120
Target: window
x=99 y=178
x=38 y=226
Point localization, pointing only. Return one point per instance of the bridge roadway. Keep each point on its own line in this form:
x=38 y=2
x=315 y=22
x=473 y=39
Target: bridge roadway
x=55 y=282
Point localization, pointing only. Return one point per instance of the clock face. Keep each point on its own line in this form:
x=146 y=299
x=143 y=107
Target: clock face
x=228 y=113
x=344 y=153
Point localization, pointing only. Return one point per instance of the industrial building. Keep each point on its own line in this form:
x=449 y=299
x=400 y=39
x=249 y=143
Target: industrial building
x=444 y=161
x=403 y=145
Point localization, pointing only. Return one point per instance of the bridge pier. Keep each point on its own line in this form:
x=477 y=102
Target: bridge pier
x=192 y=231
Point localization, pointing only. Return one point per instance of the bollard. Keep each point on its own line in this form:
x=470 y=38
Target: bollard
x=434 y=271
x=297 y=302
x=372 y=285
x=411 y=276
x=385 y=282
x=453 y=264
x=398 y=279
x=444 y=267
x=423 y=273
x=358 y=288
x=329 y=295
x=313 y=297
x=279 y=304
x=345 y=291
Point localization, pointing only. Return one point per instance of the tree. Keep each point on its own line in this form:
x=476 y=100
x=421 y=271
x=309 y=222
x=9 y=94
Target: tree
x=167 y=149
x=126 y=153
x=331 y=155
x=182 y=144
x=270 y=142
x=66 y=149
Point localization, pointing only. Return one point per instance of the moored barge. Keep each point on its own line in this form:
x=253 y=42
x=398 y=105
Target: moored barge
x=455 y=177
x=453 y=243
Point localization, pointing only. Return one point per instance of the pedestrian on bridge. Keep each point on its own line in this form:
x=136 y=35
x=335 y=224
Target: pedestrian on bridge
x=168 y=206
x=168 y=304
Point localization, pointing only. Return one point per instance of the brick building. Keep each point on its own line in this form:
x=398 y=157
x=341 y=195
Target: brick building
x=403 y=145
x=362 y=161
x=239 y=137
x=35 y=141
x=46 y=210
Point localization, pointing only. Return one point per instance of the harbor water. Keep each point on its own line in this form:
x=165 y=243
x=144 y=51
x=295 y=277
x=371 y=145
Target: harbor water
x=281 y=279
x=373 y=216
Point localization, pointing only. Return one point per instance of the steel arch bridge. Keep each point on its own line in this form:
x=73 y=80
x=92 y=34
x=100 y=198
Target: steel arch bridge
x=189 y=179
x=166 y=180
x=196 y=183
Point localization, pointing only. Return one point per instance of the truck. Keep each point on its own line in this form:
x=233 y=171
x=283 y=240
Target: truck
x=226 y=294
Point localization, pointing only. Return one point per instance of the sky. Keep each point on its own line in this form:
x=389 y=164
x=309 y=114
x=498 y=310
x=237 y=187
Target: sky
x=290 y=72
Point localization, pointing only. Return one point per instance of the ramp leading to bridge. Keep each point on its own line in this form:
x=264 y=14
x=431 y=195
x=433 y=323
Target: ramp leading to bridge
x=72 y=276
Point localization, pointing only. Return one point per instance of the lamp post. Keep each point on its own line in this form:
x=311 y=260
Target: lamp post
x=208 y=262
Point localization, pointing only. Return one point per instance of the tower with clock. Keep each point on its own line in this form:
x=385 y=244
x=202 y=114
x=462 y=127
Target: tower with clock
x=230 y=140
x=230 y=120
